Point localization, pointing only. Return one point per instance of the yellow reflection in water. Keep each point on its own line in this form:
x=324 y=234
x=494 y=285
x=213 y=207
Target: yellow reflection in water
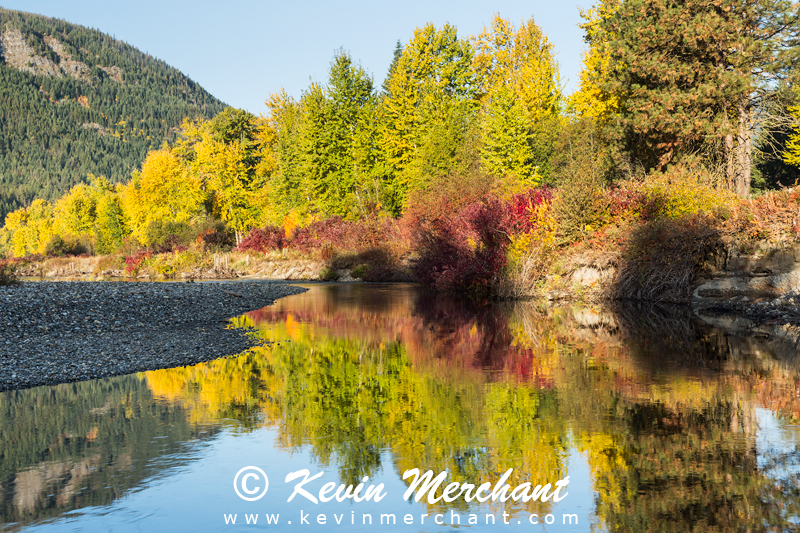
x=477 y=391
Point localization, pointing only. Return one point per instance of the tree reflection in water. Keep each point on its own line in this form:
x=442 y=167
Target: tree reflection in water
x=663 y=408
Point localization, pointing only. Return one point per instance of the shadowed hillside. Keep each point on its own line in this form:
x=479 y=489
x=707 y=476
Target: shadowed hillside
x=75 y=101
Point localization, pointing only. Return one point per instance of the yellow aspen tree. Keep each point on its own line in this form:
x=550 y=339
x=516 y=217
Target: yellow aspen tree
x=41 y=224
x=162 y=192
x=521 y=95
x=30 y=228
x=16 y=224
x=227 y=176
x=75 y=212
x=593 y=99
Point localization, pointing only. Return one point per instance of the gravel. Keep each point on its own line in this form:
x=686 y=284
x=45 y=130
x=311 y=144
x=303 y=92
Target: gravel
x=59 y=332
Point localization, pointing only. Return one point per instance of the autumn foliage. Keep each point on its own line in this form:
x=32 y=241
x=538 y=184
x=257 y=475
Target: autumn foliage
x=466 y=252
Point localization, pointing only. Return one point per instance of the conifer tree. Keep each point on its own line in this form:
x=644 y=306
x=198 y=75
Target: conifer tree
x=693 y=76
x=398 y=51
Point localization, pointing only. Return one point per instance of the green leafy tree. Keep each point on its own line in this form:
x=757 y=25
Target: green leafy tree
x=507 y=144
x=432 y=97
x=284 y=190
x=109 y=225
x=522 y=97
x=340 y=158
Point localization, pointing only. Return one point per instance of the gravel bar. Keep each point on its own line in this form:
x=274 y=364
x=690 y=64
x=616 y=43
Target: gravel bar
x=58 y=332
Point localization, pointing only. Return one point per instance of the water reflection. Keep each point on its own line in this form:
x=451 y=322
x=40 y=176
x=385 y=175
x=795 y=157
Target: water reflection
x=681 y=426
x=85 y=444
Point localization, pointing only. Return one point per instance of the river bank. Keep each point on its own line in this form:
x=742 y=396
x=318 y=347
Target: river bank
x=57 y=332
x=759 y=288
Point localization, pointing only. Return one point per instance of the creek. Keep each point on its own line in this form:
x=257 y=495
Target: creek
x=659 y=422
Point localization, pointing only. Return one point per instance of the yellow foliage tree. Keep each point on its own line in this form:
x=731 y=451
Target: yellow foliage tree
x=30 y=228
x=521 y=97
x=792 y=153
x=163 y=191
x=75 y=212
x=522 y=60
x=224 y=170
x=592 y=99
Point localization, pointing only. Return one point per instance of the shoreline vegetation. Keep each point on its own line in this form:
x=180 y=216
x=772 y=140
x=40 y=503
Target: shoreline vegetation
x=471 y=172
x=655 y=240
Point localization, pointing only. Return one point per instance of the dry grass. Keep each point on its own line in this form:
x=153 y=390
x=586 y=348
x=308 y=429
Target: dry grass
x=774 y=217
x=522 y=274
x=664 y=258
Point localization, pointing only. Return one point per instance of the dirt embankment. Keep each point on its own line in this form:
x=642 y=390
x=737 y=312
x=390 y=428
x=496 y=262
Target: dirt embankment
x=221 y=266
x=732 y=288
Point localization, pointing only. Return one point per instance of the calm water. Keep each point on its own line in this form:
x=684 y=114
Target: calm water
x=659 y=423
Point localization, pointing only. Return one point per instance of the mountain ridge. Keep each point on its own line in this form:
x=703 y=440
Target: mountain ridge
x=75 y=101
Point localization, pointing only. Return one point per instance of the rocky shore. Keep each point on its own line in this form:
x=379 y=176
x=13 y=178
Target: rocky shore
x=58 y=332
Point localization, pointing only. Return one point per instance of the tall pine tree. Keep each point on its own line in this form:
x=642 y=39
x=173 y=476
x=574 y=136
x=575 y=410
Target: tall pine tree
x=693 y=76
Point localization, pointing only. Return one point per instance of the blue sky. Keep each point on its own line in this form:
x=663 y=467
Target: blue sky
x=249 y=49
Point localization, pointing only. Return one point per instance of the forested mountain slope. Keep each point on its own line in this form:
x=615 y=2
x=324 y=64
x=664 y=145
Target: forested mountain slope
x=75 y=101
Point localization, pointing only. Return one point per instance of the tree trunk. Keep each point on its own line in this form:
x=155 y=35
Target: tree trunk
x=739 y=148
x=730 y=180
x=744 y=149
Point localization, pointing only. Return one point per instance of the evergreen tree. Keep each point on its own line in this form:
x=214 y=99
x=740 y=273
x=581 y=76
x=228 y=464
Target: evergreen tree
x=692 y=76
x=398 y=51
x=59 y=126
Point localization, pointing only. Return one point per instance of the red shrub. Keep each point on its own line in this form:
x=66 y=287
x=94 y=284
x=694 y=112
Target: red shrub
x=134 y=263
x=341 y=234
x=263 y=240
x=520 y=207
x=464 y=253
x=623 y=200
x=303 y=239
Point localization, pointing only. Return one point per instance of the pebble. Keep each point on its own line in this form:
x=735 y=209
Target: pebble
x=59 y=332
